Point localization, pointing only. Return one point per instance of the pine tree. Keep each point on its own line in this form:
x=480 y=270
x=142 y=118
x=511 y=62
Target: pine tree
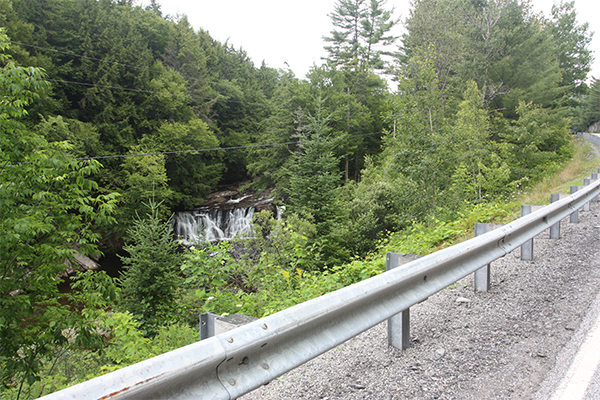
x=151 y=275
x=361 y=26
x=572 y=39
x=314 y=173
x=375 y=31
x=590 y=108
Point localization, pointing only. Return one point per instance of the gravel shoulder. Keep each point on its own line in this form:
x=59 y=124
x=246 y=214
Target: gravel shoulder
x=499 y=344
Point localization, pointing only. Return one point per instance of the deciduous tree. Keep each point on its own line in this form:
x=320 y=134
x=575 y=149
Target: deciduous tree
x=48 y=212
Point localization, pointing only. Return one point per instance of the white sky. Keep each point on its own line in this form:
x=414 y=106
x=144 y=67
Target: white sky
x=282 y=31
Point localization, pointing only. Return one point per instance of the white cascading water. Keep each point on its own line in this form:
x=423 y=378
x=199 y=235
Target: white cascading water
x=197 y=226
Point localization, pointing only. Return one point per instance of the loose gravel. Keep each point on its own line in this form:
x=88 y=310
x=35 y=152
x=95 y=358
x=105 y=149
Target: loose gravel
x=465 y=345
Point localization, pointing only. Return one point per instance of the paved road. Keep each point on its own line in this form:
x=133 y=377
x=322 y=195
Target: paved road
x=576 y=375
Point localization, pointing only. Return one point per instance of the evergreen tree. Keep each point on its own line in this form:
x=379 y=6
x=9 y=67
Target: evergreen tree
x=145 y=177
x=347 y=17
x=314 y=173
x=572 y=39
x=537 y=140
x=361 y=28
x=266 y=164
x=151 y=274
x=435 y=31
x=472 y=131
x=352 y=100
x=375 y=31
x=193 y=175
x=497 y=43
x=590 y=108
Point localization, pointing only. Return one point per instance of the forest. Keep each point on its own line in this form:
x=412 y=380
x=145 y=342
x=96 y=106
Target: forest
x=113 y=116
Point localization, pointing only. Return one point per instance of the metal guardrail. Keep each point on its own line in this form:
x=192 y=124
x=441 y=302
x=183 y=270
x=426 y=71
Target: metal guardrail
x=236 y=362
x=592 y=137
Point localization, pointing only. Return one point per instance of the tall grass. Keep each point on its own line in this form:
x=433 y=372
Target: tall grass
x=586 y=159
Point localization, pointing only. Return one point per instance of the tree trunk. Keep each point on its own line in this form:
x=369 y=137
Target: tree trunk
x=347 y=172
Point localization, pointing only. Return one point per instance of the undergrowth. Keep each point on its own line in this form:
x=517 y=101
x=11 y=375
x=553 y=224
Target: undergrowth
x=218 y=281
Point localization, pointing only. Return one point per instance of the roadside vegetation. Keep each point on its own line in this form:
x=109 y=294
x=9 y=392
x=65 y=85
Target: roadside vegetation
x=485 y=96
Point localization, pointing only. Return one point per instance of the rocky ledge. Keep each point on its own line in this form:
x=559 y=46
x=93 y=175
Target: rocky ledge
x=239 y=197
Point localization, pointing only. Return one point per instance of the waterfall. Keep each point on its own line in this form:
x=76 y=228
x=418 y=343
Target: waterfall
x=212 y=225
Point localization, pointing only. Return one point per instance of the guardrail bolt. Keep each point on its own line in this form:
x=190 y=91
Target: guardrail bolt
x=265 y=366
x=230 y=340
x=264 y=326
x=232 y=382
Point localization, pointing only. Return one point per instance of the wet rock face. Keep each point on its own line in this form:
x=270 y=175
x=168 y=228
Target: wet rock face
x=237 y=198
x=224 y=215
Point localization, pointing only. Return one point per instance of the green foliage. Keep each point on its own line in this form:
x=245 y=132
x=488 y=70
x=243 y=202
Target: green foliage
x=419 y=147
x=500 y=45
x=83 y=137
x=572 y=40
x=369 y=211
x=145 y=177
x=361 y=27
x=174 y=179
x=353 y=100
x=267 y=287
x=425 y=238
x=313 y=173
x=123 y=345
x=480 y=172
x=266 y=164
x=209 y=268
x=151 y=272
x=192 y=174
x=48 y=212
x=590 y=109
x=536 y=141
x=286 y=243
x=76 y=328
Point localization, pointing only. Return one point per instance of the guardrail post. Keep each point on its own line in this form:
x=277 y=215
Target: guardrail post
x=527 y=247
x=586 y=206
x=399 y=324
x=481 y=279
x=207 y=325
x=594 y=179
x=574 y=217
x=212 y=324
x=555 y=229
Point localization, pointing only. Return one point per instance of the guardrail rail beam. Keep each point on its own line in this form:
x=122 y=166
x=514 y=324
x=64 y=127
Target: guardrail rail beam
x=236 y=362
